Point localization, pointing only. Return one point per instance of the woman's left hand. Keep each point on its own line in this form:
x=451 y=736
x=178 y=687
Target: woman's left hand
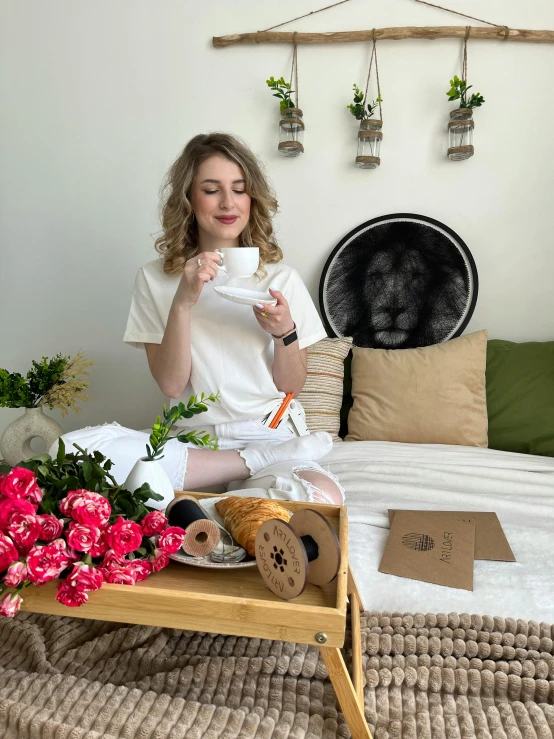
x=275 y=319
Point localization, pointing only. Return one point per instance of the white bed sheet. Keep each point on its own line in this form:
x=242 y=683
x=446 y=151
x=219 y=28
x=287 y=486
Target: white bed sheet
x=518 y=487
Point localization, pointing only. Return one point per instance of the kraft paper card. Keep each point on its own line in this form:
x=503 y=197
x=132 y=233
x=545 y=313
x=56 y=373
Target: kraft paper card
x=490 y=539
x=437 y=549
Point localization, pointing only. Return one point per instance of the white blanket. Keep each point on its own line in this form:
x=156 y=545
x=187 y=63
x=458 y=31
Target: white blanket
x=518 y=487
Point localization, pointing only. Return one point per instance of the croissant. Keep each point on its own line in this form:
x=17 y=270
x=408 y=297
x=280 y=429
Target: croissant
x=244 y=516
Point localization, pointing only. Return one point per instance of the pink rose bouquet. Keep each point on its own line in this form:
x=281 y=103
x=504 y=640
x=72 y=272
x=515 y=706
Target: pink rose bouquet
x=67 y=519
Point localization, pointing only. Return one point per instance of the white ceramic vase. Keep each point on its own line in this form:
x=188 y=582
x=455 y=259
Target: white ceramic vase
x=15 y=444
x=151 y=471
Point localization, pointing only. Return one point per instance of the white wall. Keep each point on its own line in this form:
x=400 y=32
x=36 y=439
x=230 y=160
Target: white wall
x=98 y=97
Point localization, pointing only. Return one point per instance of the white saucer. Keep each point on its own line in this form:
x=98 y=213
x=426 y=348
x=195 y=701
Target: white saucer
x=246 y=297
x=206 y=562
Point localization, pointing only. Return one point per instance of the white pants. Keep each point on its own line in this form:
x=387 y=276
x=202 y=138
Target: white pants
x=123 y=446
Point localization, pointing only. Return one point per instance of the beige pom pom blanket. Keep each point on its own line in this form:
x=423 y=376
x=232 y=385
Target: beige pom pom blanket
x=427 y=677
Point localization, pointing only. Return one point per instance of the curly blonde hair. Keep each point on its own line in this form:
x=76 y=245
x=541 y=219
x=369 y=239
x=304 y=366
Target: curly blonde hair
x=179 y=241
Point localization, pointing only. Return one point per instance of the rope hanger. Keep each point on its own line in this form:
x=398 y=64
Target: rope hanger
x=341 y=2
x=374 y=56
x=294 y=67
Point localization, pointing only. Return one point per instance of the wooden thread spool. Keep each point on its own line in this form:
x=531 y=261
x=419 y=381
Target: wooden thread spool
x=289 y=555
x=202 y=535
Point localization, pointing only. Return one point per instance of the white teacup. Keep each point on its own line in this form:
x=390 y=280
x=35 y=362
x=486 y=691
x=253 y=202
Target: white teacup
x=239 y=261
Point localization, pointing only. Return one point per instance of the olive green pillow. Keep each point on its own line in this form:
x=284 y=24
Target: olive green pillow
x=520 y=396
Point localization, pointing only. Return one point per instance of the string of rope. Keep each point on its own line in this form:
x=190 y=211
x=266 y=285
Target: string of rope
x=313 y=12
x=374 y=55
x=456 y=12
x=294 y=67
x=464 y=63
x=377 y=75
x=422 y=2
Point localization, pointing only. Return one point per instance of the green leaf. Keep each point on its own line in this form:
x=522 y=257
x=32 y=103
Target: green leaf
x=87 y=470
x=60 y=456
x=37 y=458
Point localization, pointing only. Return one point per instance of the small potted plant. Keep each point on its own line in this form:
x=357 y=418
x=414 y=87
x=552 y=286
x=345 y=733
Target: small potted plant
x=52 y=383
x=147 y=469
x=461 y=124
x=291 y=125
x=370 y=134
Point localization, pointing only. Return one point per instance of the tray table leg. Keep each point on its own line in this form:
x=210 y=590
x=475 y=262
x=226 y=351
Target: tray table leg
x=351 y=588
x=357 y=671
x=348 y=698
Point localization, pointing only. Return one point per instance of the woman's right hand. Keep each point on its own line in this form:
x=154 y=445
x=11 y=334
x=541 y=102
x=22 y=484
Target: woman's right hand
x=194 y=277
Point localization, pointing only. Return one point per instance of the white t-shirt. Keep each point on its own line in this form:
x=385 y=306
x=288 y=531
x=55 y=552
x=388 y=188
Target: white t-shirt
x=230 y=351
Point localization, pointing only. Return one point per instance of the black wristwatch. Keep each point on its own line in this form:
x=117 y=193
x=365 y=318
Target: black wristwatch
x=288 y=338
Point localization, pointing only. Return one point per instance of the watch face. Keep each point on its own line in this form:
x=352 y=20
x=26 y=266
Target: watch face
x=290 y=338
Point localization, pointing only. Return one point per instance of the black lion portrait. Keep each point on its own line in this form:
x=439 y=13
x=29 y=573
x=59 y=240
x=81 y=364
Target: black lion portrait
x=399 y=282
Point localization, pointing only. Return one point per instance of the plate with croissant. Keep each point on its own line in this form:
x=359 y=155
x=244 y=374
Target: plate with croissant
x=241 y=517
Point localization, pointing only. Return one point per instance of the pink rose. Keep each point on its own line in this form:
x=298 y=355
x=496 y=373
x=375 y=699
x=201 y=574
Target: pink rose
x=101 y=546
x=171 y=540
x=24 y=529
x=50 y=526
x=47 y=562
x=124 y=536
x=10 y=605
x=9 y=506
x=18 y=483
x=66 y=505
x=112 y=560
x=153 y=523
x=120 y=577
x=60 y=545
x=85 y=577
x=159 y=560
x=91 y=509
x=72 y=555
x=139 y=569
x=35 y=495
x=8 y=553
x=67 y=595
x=82 y=537
x=17 y=572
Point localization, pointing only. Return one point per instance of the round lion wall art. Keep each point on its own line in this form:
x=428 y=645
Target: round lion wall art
x=398 y=282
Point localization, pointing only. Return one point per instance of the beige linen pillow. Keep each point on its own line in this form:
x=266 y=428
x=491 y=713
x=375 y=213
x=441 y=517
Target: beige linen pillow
x=432 y=395
x=321 y=395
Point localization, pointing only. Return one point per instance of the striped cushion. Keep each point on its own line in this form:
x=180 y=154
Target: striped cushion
x=322 y=393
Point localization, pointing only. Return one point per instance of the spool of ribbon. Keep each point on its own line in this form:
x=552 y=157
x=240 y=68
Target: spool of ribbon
x=202 y=535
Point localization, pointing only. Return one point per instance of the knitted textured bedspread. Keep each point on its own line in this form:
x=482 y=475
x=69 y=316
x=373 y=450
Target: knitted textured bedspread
x=426 y=677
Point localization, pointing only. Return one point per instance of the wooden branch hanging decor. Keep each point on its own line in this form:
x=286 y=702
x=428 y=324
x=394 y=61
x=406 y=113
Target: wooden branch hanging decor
x=460 y=127
x=398 y=33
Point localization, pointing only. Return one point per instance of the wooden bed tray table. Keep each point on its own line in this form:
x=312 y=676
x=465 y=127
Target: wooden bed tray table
x=237 y=602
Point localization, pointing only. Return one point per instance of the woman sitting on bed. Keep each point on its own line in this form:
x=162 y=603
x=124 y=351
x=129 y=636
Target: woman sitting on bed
x=217 y=197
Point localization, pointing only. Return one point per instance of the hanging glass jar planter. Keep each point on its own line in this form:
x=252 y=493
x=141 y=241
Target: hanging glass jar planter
x=370 y=133
x=291 y=125
x=370 y=136
x=291 y=133
x=461 y=125
x=460 y=134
